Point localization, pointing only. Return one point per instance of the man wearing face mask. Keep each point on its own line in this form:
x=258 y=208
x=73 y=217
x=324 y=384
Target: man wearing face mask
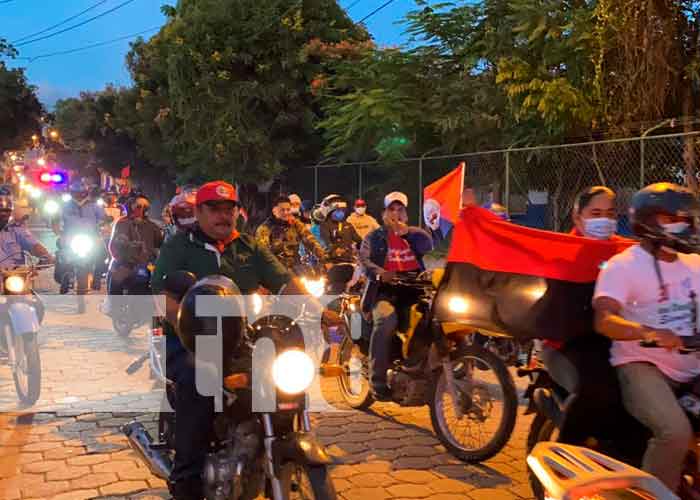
x=295 y=205
x=595 y=214
x=135 y=241
x=15 y=238
x=283 y=234
x=361 y=220
x=340 y=237
x=649 y=292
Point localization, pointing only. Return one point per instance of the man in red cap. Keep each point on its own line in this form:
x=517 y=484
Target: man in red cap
x=213 y=246
x=361 y=220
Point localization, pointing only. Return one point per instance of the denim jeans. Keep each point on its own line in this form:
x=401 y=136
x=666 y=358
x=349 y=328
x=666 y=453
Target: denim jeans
x=648 y=396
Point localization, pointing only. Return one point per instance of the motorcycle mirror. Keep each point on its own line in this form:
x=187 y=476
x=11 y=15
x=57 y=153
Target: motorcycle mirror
x=178 y=283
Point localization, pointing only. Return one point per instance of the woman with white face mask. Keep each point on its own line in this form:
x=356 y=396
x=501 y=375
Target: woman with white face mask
x=595 y=214
x=361 y=220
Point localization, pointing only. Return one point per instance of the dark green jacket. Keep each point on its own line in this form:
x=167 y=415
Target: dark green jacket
x=243 y=261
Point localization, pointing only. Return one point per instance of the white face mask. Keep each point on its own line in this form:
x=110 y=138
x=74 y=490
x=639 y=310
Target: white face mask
x=675 y=228
x=360 y=210
x=600 y=228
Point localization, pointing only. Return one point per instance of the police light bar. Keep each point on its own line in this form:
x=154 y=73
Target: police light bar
x=52 y=177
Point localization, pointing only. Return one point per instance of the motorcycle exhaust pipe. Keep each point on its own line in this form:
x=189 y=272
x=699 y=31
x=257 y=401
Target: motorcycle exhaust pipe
x=141 y=442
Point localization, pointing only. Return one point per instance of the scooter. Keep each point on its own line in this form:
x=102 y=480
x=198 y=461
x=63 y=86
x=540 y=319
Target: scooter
x=75 y=260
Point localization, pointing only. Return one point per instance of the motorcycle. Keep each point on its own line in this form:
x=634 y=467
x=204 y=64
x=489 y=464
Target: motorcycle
x=572 y=472
x=271 y=453
x=434 y=364
x=622 y=437
x=21 y=314
x=135 y=307
x=75 y=263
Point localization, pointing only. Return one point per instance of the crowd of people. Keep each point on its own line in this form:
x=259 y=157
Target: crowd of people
x=645 y=293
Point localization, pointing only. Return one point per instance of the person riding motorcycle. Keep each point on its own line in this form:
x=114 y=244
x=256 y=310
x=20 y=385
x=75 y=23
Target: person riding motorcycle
x=15 y=238
x=79 y=215
x=649 y=293
x=181 y=209
x=340 y=237
x=283 y=234
x=135 y=241
x=213 y=246
x=391 y=249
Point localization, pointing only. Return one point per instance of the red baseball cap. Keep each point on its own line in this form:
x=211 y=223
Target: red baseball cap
x=216 y=191
x=360 y=202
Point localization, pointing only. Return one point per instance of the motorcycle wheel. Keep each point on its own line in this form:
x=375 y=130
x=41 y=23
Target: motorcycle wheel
x=121 y=320
x=478 y=405
x=65 y=283
x=27 y=376
x=82 y=280
x=355 y=389
x=301 y=481
x=541 y=429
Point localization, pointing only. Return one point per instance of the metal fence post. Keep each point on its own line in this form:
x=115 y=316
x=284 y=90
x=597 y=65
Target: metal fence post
x=359 y=181
x=316 y=184
x=507 y=193
x=641 y=162
x=420 y=190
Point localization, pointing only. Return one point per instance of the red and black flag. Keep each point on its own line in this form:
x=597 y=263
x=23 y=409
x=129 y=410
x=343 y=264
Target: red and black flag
x=525 y=282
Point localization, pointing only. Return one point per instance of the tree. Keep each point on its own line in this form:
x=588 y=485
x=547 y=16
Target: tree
x=20 y=109
x=226 y=84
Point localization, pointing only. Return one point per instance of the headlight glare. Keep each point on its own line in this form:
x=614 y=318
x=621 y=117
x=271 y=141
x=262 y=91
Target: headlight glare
x=82 y=245
x=458 y=305
x=314 y=287
x=293 y=371
x=14 y=284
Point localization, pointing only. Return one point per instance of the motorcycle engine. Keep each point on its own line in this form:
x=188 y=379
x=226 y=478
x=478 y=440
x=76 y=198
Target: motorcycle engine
x=407 y=390
x=224 y=470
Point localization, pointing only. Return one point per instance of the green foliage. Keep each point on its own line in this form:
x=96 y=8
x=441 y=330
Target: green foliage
x=20 y=109
x=225 y=87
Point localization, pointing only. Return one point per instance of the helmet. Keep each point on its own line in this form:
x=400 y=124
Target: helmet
x=6 y=198
x=665 y=198
x=132 y=200
x=317 y=214
x=78 y=186
x=333 y=202
x=190 y=325
x=182 y=208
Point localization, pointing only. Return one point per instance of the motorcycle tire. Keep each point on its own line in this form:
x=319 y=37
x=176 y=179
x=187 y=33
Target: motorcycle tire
x=363 y=399
x=510 y=408
x=65 y=283
x=27 y=348
x=541 y=429
x=319 y=479
x=121 y=322
x=82 y=282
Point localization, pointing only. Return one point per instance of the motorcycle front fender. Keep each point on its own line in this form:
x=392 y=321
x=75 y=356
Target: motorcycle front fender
x=299 y=447
x=23 y=318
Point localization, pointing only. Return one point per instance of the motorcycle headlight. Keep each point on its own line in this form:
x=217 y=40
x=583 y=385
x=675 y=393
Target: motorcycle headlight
x=81 y=245
x=257 y=303
x=101 y=202
x=65 y=197
x=14 y=284
x=51 y=207
x=314 y=287
x=458 y=305
x=293 y=371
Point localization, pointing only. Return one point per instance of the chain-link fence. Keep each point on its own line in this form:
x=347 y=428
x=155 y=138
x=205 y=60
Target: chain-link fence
x=537 y=184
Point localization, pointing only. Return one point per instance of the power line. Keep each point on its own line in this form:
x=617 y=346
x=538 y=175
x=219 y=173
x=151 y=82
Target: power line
x=352 y=5
x=91 y=46
x=384 y=5
x=6 y=1
x=62 y=22
x=83 y=23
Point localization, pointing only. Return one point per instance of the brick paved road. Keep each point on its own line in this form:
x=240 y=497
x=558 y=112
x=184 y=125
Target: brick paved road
x=63 y=449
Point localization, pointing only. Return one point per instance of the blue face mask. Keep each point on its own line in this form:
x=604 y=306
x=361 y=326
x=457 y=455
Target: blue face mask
x=338 y=215
x=600 y=228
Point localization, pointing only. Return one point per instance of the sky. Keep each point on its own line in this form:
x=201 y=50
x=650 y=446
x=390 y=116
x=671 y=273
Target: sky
x=66 y=75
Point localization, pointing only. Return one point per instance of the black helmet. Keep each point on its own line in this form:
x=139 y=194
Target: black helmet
x=665 y=198
x=6 y=198
x=190 y=325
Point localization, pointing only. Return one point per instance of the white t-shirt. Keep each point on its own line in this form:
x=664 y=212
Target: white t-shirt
x=630 y=279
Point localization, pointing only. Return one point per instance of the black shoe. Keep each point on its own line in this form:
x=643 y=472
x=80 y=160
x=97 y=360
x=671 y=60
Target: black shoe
x=381 y=393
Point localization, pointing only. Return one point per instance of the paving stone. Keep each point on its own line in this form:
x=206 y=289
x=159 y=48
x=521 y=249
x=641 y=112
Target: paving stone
x=123 y=487
x=366 y=494
x=490 y=494
x=42 y=446
x=77 y=495
x=409 y=491
x=413 y=476
x=371 y=480
x=88 y=459
x=63 y=453
x=446 y=485
x=43 y=466
x=40 y=488
x=94 y=480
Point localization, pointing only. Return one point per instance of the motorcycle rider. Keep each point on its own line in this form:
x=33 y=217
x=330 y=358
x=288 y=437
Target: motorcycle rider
x=135 y=241
x=595 y=213
x=649 y=293
x=15 y=238
x=213 y=246
x=391 y=249
x=361 y=220
x=295 y=205
x=340 y=237
x=283 y=234
x=181 y=209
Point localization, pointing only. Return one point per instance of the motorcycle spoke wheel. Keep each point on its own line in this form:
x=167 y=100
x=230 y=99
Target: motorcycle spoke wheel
x=27 y=375
x=488 y=403
x=354 y=382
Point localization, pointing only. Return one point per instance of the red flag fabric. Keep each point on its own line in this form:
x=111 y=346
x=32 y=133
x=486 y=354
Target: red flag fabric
x=126 y=172
x=482 y=239
x=447 y=191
